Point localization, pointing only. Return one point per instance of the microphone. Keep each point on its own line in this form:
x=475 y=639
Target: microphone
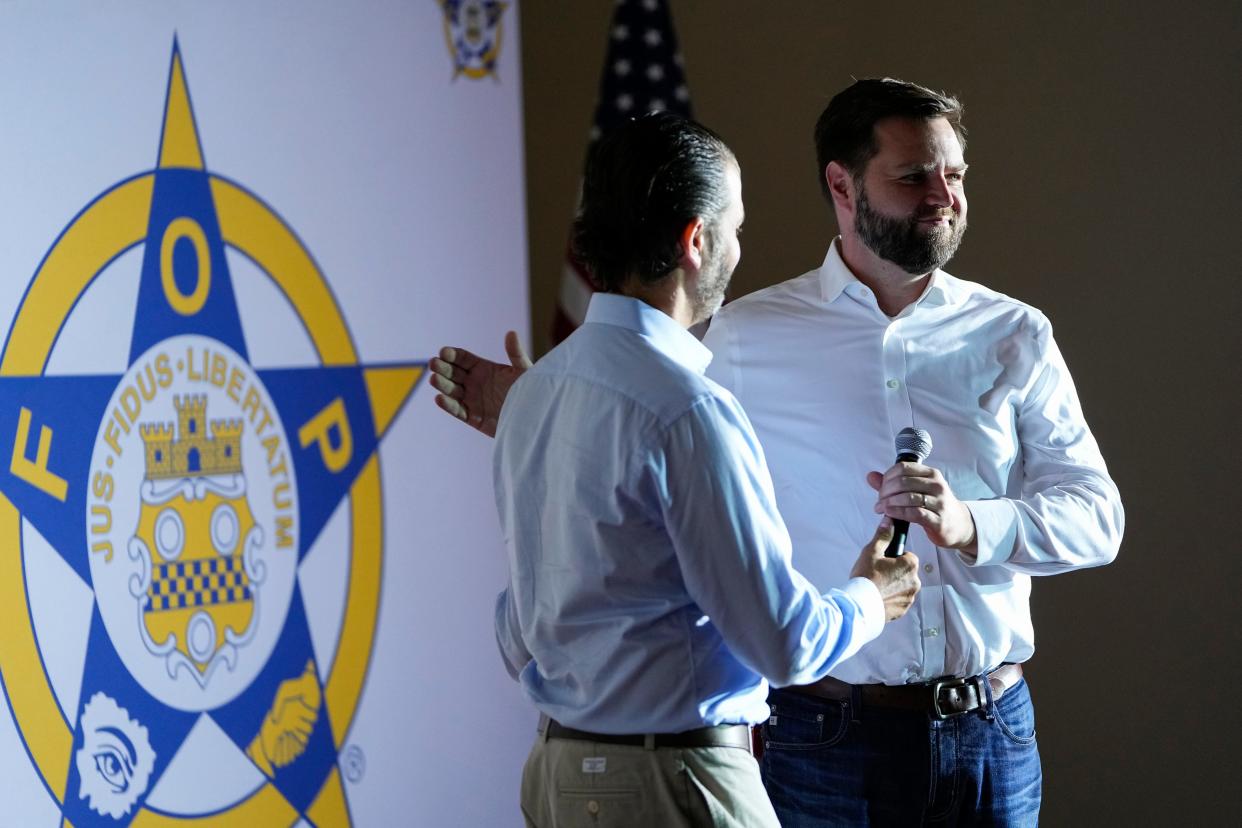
x=914 y=445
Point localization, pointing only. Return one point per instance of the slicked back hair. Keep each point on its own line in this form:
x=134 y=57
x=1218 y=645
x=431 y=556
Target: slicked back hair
x=845 y=131
x=644 y=182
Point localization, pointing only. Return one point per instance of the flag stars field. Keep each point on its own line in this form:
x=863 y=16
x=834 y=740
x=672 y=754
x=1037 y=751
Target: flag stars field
x=642 y=72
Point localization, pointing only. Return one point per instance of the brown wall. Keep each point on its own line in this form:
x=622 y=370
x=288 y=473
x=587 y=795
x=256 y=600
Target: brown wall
x=1103 y=138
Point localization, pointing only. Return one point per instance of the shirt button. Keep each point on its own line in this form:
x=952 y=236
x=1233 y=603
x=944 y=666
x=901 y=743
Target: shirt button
x=928 y=567
x=932 y=632
x=892 y=383
x=592 y=807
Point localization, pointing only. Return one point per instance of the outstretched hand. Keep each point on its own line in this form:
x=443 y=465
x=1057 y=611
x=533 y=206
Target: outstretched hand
x=472 y=388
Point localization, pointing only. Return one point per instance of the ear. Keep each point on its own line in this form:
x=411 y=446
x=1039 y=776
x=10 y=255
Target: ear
x=840 y=186
x=693 y=240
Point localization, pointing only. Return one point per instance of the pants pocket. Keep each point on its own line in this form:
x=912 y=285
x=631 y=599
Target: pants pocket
x=798 y=725
x=1015 y=715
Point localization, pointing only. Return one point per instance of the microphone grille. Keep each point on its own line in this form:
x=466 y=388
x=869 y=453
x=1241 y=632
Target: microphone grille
x=914 y=441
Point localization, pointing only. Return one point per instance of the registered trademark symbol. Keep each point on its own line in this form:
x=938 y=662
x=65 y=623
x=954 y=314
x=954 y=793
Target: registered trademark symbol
x=355 y=764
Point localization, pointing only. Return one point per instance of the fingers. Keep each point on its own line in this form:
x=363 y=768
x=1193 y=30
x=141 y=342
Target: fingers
x=904 y=504
x=308 y=686
x=456 y=409
x=907 y=469
x=459 y=357
x=908 y=500
x=517 y=356
x=447 y=387
x=911 y=514
x=910 y=491
x=909 y=573
x=444 y=373
x=902 y=584
x=905 y=475
x=883 y=534
x=304 y=719
x=452 y=406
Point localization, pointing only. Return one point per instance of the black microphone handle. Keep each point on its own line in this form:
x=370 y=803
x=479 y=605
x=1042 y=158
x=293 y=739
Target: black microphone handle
x=897 y=546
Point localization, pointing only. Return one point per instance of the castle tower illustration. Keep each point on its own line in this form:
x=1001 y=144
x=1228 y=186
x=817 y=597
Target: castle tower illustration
x=199 y=447
x=200 y=598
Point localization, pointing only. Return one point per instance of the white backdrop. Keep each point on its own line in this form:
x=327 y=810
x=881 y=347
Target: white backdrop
x=402 y=179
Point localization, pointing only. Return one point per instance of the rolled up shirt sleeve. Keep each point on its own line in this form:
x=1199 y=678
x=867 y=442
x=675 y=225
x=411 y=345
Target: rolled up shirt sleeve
x=1068 y=513
x=735 y=553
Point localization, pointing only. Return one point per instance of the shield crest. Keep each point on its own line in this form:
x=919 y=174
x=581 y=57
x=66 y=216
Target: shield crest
x=198 y=588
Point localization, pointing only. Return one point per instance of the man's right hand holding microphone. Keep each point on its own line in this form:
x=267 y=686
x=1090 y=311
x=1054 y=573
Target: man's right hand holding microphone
x=896 y=578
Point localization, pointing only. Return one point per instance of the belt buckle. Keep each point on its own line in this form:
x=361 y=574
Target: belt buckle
x=948 y=684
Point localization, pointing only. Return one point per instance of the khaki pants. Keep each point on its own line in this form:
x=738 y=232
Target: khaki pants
x=569 y=783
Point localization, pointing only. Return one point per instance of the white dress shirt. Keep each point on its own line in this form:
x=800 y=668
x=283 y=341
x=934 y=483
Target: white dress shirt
x=650 y=586
x=828 y=380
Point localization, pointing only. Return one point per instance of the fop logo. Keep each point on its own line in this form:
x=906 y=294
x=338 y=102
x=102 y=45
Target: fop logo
x=473 y=31
x=184 y=490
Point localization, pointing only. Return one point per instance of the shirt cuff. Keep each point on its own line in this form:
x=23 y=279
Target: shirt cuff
x=996 y=531
x=866 y=595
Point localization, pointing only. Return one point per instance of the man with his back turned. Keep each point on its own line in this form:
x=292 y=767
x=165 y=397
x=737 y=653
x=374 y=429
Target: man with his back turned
x=651 y=592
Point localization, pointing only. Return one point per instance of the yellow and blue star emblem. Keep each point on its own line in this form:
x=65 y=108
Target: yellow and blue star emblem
x=184 y=490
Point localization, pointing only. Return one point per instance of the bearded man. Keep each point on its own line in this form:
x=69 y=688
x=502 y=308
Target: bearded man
x=932 y=722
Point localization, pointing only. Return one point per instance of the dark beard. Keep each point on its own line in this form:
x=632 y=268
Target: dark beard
x=902 y=242
x=713 y=281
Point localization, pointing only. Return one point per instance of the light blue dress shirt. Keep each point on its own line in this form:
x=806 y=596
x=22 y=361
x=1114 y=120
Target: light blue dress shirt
x=650 y=586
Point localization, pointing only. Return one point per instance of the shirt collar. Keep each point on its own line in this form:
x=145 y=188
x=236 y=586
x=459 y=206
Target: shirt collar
x=835 y=277
x=669 y=338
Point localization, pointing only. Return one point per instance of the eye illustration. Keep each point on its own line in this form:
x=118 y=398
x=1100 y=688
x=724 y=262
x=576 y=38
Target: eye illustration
x=113 y=768
x=114 y=758
x=115 y=761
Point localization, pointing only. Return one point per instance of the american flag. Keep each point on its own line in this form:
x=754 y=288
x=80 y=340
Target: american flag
x=642 y=73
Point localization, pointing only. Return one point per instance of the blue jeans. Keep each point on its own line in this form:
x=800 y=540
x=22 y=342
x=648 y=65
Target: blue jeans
x=825 y=764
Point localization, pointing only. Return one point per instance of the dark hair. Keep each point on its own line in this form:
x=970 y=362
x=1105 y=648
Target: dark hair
x=644 y=181
x=845 y=131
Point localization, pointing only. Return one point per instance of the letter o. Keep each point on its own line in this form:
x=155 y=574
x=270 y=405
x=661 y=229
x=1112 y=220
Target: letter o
x=178 y=229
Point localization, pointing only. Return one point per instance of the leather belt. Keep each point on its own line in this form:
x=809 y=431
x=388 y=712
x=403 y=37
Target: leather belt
x=941 y=699
x=734 y=736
